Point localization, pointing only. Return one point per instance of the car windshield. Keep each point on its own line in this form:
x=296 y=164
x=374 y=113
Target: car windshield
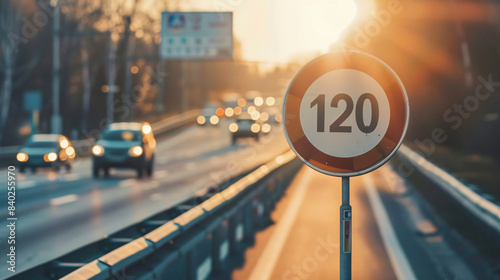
x=42 y=144
x=208 y=111
x=245 y=121
x=121 y=135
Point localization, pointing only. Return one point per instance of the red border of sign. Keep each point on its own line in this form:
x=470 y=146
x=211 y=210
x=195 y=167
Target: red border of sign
x=369 y=161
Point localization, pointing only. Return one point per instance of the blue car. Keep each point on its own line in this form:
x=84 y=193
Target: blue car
x=125 y=145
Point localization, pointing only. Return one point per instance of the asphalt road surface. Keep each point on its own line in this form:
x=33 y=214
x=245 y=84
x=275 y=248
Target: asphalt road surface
x=60 y=212
x=392 y=238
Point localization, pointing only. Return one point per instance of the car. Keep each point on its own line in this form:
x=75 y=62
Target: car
x=271 y=115
x=46 y=150
x=125 y=145
x=245 y=127
x=254 y=97
x=209 y=115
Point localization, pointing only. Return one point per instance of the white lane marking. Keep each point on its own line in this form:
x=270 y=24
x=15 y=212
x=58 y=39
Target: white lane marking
x=204 y=270
x=467 y=63
x=156 y=196
x=72 y=177
x=27 y=184
x=398 y=259
x=268 y=258
x=127 y=183
x=63 y=199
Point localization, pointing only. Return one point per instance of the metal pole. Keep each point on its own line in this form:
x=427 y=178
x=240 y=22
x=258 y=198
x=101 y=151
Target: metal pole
x=111 y=61
x=345 y=232
x=56 y=125
x=160 y=106
x=35 y=116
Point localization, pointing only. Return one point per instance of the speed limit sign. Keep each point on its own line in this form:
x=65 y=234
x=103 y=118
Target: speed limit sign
x=345 y=113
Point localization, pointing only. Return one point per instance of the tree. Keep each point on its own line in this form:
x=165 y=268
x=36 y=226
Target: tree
x=10 y=38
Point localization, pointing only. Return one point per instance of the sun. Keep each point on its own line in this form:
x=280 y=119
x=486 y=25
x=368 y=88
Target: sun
x=296 y=26
x=276 y=30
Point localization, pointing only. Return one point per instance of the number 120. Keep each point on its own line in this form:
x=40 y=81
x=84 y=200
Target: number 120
x=337 y=126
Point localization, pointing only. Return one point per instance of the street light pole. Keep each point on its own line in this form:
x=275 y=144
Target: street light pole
x=56 y=122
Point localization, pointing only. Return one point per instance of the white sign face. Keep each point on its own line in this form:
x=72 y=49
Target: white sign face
x=345 y=113
x=348 y=118
x=196 y=35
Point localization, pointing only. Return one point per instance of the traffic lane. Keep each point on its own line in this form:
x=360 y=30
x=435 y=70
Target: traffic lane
x=188 y=137
x=311 y=241
x=34 y=198
x=57 y=228
x=168 y=174
x=423 y=242
x=204 y=173
x=220 y=165
x=393 y=238
x=45 y=185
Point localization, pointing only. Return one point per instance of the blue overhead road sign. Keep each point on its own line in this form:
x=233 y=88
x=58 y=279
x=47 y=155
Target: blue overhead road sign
x=197 y=35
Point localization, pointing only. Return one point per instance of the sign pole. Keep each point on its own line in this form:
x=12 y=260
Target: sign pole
x=345 y=232
x=314 y=117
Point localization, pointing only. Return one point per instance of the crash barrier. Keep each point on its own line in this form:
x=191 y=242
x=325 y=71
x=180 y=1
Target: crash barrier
x=471 y=215
x=8 y=153
x=201 y=240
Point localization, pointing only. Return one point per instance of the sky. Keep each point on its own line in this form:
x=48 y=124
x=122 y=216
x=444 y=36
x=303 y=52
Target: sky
x=277 y=30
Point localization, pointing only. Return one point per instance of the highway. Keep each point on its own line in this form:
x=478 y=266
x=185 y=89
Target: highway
x=392 y=237
x=55 y=209
x=419 y=77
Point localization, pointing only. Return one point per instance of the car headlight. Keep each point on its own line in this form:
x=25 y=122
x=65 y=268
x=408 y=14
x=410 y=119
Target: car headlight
x=146 y=129
x=255 y=128
x=63 y=155
x=50 y=157
x=229 y=112
x=70 y=151
x=255 y=115
x=64 y=143
x=266 y=128
x=264 y=116
x=201 y=120
x=214 y=120
x=97 y=150
x=22 y=157
x=233 y=127
x=135 y=151
x=258 y=101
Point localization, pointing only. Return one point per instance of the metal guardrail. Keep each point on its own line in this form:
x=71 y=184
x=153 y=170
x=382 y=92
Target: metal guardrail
x=160 y=127
x=482 y=208
x=468 y=221
x=192 y=244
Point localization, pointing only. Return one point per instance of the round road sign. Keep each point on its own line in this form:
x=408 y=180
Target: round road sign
x=345 y=113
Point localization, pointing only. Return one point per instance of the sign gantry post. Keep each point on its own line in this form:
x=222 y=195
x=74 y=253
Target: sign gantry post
x=345 y=114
